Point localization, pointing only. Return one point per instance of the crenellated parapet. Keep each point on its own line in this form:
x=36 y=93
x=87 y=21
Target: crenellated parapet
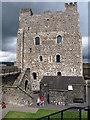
x=71 y=5
x=24 y=15
x=26 y=10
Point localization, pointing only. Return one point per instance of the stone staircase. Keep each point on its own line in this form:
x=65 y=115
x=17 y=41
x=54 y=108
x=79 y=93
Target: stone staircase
x=18 y=95
x=25 y=92
x=19 y=78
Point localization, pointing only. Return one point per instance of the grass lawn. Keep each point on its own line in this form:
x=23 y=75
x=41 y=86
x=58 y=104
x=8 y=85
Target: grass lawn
x=41 y=113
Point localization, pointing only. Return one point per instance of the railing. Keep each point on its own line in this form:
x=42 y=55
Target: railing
x=79 y=109
x=9 y=70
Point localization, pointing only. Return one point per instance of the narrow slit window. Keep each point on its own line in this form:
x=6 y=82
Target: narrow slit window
x=41 y=58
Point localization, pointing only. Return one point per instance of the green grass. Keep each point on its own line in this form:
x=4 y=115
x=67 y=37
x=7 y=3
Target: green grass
x=41 y=113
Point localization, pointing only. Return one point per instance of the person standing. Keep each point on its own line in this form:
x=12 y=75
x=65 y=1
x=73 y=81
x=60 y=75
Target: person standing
x=42 y=101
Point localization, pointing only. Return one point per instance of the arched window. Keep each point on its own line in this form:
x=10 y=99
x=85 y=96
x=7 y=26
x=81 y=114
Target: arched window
x=41 y=58
x=34 y=76
x=59 y=39
x=59 y=73
x=37 y=41
x=57 y=58
x=26 y=83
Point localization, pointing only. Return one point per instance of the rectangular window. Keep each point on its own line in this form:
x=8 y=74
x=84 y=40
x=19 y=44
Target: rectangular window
x=70 y=87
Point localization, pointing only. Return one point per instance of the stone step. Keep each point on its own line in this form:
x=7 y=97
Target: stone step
x=25 y=92
x=17 y=80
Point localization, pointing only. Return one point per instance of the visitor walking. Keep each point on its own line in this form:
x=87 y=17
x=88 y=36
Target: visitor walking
x=42 y=101
x=38 y=101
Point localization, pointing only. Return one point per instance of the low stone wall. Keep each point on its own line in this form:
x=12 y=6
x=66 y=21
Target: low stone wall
x=9 y=69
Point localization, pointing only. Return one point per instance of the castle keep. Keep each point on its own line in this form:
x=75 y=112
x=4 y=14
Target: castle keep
x=49 y=44
x=49 y=59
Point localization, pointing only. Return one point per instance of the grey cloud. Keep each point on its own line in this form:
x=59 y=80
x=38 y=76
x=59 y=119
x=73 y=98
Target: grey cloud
x=10 y=17
x=83 y=14
x=10 y=45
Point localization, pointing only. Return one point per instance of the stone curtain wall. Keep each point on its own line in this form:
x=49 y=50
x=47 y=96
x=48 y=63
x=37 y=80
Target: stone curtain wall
x=9 y=80
x=47 y=27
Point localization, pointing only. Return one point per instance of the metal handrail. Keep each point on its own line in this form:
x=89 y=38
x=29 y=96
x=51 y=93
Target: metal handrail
x=61 y=111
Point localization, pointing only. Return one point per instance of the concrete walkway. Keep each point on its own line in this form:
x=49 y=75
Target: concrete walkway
x=51 y=107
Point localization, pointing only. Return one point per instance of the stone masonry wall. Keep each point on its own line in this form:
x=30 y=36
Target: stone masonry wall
x=66 y=97
x=58 y=96
x=47 y=27
x=18 y=95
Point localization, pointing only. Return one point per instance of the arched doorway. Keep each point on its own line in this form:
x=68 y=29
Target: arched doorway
x=34 y=75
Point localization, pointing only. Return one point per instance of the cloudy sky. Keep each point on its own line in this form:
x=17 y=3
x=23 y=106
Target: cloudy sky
x=10 y=17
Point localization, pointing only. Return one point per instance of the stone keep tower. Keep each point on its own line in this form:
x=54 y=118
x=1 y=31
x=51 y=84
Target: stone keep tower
x=49 y=44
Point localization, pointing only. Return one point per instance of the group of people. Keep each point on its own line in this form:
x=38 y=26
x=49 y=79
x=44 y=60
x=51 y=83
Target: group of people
x=40 y=102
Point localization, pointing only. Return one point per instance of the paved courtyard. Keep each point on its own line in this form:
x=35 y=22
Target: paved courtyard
x=34 y=108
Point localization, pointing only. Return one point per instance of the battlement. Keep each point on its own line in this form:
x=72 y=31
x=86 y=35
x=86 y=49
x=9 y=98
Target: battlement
x=71 y=5
x=68 y=6
x=26 y=10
